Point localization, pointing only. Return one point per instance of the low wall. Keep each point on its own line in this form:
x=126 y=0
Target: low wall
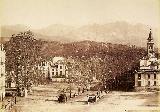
x=146 y=88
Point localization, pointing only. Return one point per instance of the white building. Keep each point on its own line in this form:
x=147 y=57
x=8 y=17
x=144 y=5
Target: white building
x=58 y=69
x=148 y=75
x=44 y=68
x=2 y=72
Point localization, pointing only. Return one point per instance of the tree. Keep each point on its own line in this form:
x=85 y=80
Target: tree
x=22 y=56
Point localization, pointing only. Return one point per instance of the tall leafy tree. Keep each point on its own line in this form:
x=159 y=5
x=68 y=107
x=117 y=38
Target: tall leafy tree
x=22 y=56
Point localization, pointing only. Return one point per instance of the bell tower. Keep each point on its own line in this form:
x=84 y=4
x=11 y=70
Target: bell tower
x=150 y=45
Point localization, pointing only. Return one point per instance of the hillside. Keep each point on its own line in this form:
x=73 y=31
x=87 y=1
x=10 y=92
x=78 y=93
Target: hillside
x=105 y=61
x=90 y=59
x=115 y=57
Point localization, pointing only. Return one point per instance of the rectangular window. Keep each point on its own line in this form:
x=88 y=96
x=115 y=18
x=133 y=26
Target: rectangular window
x=53 y=75
x=1 y=62
x=60 y=72
x=155 y=83
x=148 y=83
x=1 y=72
x=148 y=76
x=60 y=67
x=57 y=73
x=154 y=76
x=139 y=83
x=139 y=76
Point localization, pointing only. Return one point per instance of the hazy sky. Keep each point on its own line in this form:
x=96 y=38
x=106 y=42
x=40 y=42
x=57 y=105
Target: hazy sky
x=41 y=13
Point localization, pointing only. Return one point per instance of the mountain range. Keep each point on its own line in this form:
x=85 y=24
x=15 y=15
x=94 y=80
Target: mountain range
x=119 y=32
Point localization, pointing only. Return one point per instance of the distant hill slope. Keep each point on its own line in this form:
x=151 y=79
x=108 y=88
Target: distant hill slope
x=88 y=49
x=117 y=32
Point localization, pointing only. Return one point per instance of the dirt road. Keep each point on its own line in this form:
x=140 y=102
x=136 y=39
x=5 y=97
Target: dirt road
x=45 y=101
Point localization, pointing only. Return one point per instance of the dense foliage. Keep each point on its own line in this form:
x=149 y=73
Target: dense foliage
x=109 y=63
x=106 y=62
x=22 y=54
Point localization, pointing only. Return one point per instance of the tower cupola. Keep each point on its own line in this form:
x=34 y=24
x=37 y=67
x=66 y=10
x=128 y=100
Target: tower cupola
x=150 y=45
x=150 y=38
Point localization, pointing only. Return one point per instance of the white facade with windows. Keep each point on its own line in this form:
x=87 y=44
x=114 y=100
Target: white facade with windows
x=2 y=72
x=148 y=75
x=44 y=68
x=58 y=69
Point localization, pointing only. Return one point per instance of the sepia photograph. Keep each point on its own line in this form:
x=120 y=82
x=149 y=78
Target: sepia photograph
x=79 y=55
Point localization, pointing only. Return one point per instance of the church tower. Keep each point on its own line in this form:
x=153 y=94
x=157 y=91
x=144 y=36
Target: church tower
x=147 y=76
x=150 y=45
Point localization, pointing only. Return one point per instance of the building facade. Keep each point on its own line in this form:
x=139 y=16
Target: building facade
x=2 y=72
x=58 y=69
x=44 y=68
x=148 y=76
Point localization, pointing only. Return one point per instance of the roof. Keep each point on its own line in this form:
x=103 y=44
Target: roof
x=56 y=59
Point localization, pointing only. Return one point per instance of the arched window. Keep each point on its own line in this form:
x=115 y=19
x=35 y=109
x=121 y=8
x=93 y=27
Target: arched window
x=150 y=47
